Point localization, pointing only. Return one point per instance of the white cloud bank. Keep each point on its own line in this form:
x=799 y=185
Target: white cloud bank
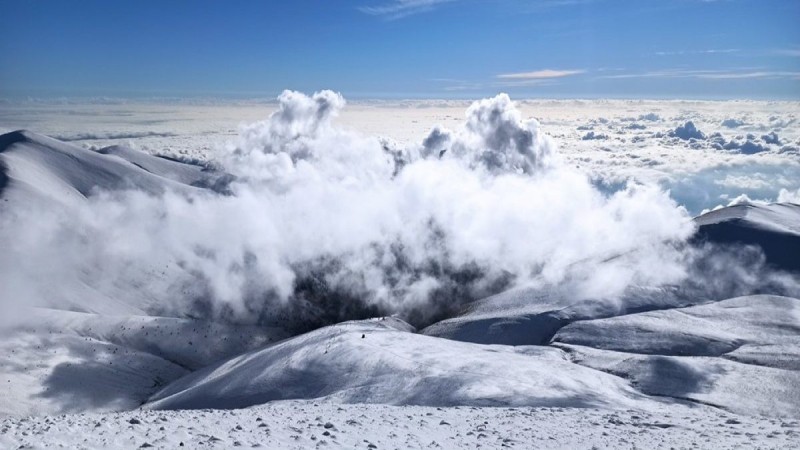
x=326 y=224
x=787 y=196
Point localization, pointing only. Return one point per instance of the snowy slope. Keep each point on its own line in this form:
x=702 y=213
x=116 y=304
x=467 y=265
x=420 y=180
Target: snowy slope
x=47 y=181
x=382 y=361
x=707 y=330
x=738 y=354
x=531 y=316
x=732 y=386
x=109 y=352
x=188 y=174
x=65 y=172
x=776 y=217
x=735 y=354
x=59 y=361
x=525 y=316
x=774 y=227
x=99 y=345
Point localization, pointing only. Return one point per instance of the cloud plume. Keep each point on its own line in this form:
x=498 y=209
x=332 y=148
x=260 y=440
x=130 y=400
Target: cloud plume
x=323 y=224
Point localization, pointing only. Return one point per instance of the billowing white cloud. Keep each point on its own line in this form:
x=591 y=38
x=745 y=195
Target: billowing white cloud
x=688 y=131
x=732 y=123
x=324 y=224
x=787 y=196
x=396 y=217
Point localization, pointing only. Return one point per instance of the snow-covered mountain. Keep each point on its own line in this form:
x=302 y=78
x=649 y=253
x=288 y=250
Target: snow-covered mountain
x=47 y=182
x=62 y=172
x=59 y=361
x=78 y=346
x=525 y=316
x=82 y=343
x=719 y=354
x=775 y=228
x=739 y=354
x=384 y=361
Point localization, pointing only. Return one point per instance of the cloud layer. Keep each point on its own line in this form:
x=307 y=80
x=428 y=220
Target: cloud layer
x=325 y=224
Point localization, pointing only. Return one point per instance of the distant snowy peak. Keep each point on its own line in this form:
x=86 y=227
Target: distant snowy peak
x=65 y=172
x=774 y=227
x=777 y=217
x=6 y=140
x=190 y=173
x=50 y=192
x=60 y=171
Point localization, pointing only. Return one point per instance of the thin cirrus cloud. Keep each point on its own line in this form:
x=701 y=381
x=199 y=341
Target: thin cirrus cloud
x=698 y=52
x=742 y=75
x=787 y=51
x=710 y=74
x=397 y=9
x=545 y=74
x=518 y=79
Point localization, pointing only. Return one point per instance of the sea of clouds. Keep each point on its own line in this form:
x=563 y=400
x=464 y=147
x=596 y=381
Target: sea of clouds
x=323 y=223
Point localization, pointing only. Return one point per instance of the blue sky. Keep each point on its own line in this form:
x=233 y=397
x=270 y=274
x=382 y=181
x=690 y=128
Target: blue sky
x=402 y=48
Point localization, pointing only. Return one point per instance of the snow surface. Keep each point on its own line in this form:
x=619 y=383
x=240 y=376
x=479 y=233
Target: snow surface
x=189 y=174
x=747 y=389
x=707 y=330
x=306 y=424
x=74 y=345
x=530 y=316
x=738 y=354
x=679 y=353
x=59 y=361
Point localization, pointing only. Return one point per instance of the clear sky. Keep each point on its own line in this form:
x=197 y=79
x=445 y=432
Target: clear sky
x=402 y=48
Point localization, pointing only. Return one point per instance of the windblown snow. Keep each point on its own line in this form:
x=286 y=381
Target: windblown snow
x=306 y=264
